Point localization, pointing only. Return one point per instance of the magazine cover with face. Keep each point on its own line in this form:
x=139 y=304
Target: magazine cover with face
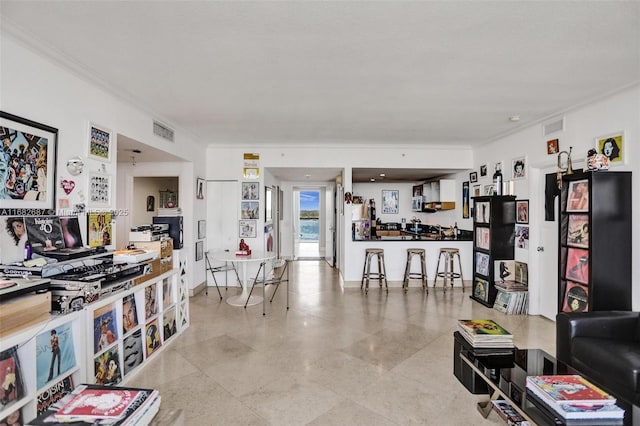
x=13 y=236
x=44 y=233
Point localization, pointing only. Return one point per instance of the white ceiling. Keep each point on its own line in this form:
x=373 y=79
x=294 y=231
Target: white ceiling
x=342 y=72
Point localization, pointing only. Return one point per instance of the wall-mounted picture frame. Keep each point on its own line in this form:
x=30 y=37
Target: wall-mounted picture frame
x=250 y=191
x=151 y=203
x=465 y=200
x=250 y=210
x=553 y=146
x=199 y=188
x=247 y=228
x=578 y=196
x=522 y=211
x=199 y=250
x=390 y=201
x=417 y=190
x=99 y=189
x=473 y=177
x=522 y=237
x=202 y=229
x=483 y=170
x=38 y=157
x=519 y=168
x=100 y=143
x=612 y=146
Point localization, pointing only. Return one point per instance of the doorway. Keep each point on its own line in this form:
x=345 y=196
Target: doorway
x=308 y=224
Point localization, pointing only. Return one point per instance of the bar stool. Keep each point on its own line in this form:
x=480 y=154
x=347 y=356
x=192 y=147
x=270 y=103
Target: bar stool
x=448 y=273
x=366 y=270
x=421 y=275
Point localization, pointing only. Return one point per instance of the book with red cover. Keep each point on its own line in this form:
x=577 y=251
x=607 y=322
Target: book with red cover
x=567 y=389
x=91 y=404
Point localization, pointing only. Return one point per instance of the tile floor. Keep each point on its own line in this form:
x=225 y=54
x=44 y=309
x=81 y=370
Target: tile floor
x=337 y=357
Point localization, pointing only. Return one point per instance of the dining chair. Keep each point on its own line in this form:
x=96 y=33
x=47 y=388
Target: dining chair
x=279 y=275
x=226 y=267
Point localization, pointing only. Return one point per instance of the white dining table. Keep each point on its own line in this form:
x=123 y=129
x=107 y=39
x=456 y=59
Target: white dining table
x=256 y=256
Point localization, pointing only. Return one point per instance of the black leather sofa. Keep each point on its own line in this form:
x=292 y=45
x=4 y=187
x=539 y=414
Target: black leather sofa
x=604 y=346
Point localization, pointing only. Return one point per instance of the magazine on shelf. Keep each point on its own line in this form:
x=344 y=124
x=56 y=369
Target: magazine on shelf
x=576 y=298
x=55 y=354
x=147 y=403
x=54 y=393
x=89 y=404
x=10 y=377
x=485 y=334
x=567 y=389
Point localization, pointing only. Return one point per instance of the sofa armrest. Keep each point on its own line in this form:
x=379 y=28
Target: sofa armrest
x=617 y=325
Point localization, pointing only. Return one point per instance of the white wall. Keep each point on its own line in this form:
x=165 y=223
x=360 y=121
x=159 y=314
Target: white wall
x=35 y=87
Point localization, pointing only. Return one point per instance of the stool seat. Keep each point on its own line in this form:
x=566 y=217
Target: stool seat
x=447 y=254
x=421 y=275
x=380 y=275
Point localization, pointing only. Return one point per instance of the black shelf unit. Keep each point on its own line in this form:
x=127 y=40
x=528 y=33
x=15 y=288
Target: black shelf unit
x=494 y=220
x=594 y=263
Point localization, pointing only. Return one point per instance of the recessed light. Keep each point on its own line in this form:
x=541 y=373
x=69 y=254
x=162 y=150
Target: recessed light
x=372 y=179
x=382 y=175
x=514 y=118
x=307 y=176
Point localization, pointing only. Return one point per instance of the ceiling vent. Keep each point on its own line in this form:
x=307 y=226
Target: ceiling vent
x=557 y=125
x=163 y=131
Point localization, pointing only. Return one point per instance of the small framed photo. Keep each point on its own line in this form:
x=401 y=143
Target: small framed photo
x=483 y=170
x=200 y=189
x=522 y=211
x=489 y=189
x=390 y=202
x=202 y=229
x=248 y=229
x=199 y=250
x=519 y=168
x=250 y=191
x=553 y=146
x=578 y=196
x=99 y=190
x=473 y=177
x=477 y=190
x=612 y=147
x=250 y=210
x=100 y=143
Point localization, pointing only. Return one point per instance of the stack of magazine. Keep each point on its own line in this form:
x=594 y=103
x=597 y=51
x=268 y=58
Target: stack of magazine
x=485 y=334
x=103 y=405
x=575 y=399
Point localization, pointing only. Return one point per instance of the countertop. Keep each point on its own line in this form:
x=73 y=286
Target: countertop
x=415 y=236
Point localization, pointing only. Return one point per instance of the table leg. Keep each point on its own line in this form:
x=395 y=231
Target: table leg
x=241 y=299
x=485 y=407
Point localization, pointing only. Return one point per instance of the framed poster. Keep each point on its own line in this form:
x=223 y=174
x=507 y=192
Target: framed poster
x=248 y=229
x=390 y=202
x=33 y=146
x=100 y=143
x=612 y=147
x=578 y=232
x=250 y=191
x=250 y=210
x=200 y=189
x=519 y=168
x=99 y=229
x=465 y=200
x=522 y=211
x=99 y=190
x=202 y=229
x=199 y=250
x=578 y=196
x=577 y=265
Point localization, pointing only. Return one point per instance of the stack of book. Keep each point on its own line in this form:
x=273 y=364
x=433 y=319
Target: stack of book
x=575 y=399
x=485 y=334
x=103 y=405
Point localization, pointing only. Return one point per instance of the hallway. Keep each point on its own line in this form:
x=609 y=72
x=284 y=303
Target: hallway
x=337 y=357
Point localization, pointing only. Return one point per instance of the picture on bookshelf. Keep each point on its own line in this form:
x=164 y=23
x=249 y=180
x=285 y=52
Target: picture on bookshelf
x=522 y=237
x=133 y=354
x=578 y=232
x=55 y=354
x=483 y=211
x=150 y=301
x=152 y=337
x=482 y=264
x=107 y=367
x=482 y=238
x=169 y=324
x=14 y=418
x=129 y=313
x=576 y=298
x=481 y=289
x=504 y=270
x=104 y=327
x=10 y=377
x=577 y=265
x=54 y=393
x=167 y=293
x=578 y=196
x=522 y=273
